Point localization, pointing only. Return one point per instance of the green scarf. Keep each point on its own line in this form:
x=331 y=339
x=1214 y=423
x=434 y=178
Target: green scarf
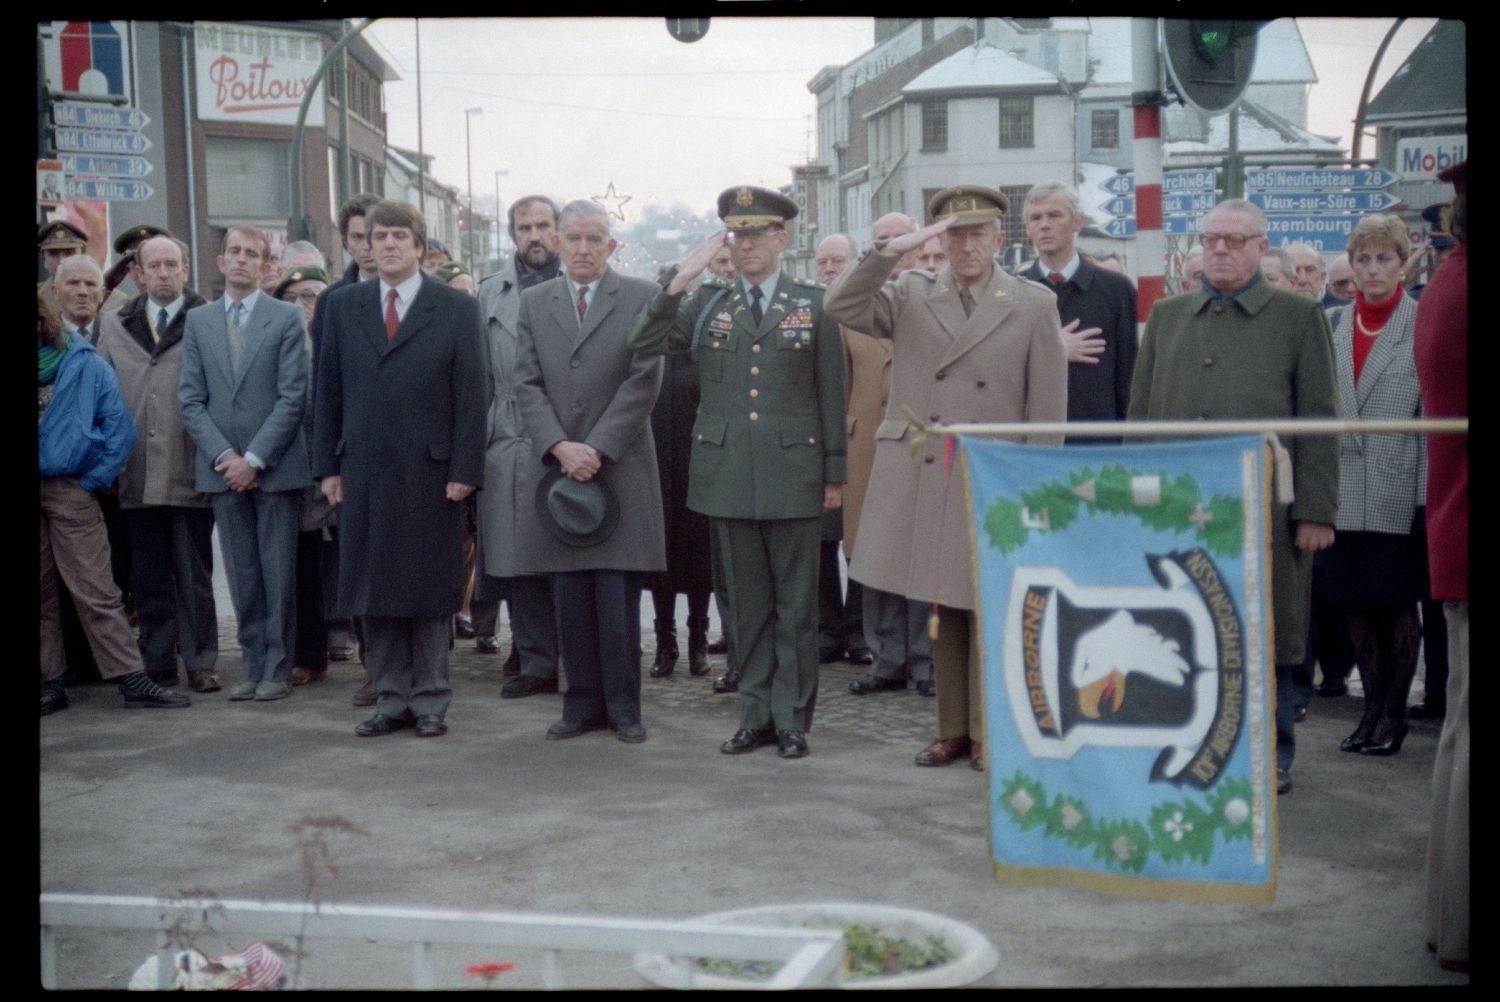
x=48 y=358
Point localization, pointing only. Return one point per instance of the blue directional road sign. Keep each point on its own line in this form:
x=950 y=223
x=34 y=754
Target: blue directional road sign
x=1329 y=234
x=107 y=190
x=98 y=116
x=77 y=164
x=1323 y=201
x=1179 y=226
x=1176 y=204
x=73 y=140
x=1171 y=181
x=1330 y=178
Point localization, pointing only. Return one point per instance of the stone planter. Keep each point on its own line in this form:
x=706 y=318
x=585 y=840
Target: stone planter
x=973 y=956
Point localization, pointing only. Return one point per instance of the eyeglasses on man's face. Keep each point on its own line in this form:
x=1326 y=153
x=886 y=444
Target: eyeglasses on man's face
x=1233 y=241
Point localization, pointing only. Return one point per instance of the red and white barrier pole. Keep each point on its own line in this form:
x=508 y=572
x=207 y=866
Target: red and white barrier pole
x=1146 y=99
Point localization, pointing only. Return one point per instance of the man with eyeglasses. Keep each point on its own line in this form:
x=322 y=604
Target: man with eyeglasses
x=1340 y=283
x=768 y=452
x=1238 y=348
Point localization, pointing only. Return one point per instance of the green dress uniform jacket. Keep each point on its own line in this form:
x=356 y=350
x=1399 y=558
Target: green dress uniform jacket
x=770 y=428
x=1264 y=354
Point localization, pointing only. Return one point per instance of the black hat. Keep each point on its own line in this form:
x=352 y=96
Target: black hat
x=59 y=235
x=967 y=205
x=576 y=513
x=127 y=242
x=306 y=273
x=748 y=208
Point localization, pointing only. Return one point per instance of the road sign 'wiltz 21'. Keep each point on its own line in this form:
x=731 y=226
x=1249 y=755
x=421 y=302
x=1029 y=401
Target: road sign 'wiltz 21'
x=1124 y=596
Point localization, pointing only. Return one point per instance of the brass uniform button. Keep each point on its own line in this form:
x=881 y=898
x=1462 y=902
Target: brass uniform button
x=755 y=348
x=755 y=393
x=754 y=416
x=798 y=346
x=1208 y=361
x=812 y=441
x=754 y=370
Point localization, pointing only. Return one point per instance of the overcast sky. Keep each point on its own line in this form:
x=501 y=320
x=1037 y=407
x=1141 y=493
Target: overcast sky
x=572 y=105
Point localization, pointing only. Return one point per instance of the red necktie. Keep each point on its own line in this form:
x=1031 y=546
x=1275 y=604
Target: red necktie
x=583 y=301
x=1056 y=278
x=392 y=321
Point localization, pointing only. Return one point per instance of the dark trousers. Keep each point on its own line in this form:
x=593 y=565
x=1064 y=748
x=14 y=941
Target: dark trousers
x=599 y=624
x=408 y=662
x=898 y=629
x=312 y=628
x=1434 y=654
x=533 y=619
x=171 y=550
x=258 y=537
x=841 y=616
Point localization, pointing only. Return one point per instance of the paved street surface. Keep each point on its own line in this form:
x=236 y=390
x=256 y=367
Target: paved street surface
x=493 y=817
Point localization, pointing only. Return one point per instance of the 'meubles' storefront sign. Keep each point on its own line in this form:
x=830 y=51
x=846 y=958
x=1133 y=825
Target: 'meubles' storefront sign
x=253 y=74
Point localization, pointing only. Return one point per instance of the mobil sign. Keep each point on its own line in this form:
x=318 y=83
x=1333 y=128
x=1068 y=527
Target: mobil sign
x=1419 y=158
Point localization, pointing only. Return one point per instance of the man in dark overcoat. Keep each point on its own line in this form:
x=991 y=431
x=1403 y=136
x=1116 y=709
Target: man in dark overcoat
x=399 y=444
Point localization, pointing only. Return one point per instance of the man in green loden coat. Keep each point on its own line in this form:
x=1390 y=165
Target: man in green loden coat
x=768 y=452
x=1238 y=348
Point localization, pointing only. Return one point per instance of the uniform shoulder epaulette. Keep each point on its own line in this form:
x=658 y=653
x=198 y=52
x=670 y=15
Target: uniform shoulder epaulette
x=807 y=283
x=716 y=282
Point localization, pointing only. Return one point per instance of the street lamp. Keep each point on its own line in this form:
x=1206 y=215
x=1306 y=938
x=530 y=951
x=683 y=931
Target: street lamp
x=497 y=212
x=469 y=166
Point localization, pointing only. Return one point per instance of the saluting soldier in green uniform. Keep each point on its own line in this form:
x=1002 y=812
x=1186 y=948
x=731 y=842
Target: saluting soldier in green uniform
x=768 y=452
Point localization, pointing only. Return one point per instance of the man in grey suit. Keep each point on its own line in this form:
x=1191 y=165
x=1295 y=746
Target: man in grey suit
x=586 y=400
x=242 y=395
x=510 y=472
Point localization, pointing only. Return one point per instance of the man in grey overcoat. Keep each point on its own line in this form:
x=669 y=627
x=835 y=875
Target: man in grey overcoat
x=585 y=399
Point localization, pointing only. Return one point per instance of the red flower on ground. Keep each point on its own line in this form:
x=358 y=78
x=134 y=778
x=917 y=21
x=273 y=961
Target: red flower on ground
x=488 y=969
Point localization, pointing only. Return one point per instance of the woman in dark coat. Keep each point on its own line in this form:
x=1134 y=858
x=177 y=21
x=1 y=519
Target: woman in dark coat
x=1377 y=570
x=688 y=569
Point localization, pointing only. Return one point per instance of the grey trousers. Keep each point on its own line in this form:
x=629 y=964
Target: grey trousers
x=897 y=628
x=1447 y=919
x=408 y=662
x=258 y=540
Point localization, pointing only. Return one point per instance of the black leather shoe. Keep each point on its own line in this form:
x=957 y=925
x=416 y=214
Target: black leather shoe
x=139 y=691
x=631 y=734
x=564 y=729
x=829 y=655
x=1283 y=781
x=430 y=725
x=1389 y=746
x=747 y=741
x=380 y=724
x=165 y=679
x=1428 y=710
x=1333 y=689
x=719 y=646
x=464 y=627
x=54 y=697
x=927 y=688
x=792 y=744
x=727 y=682
x=861 y=656
x=512 y=666
x=527 y=685
x=1353 y=742
x=487 y=644
x=867 y=684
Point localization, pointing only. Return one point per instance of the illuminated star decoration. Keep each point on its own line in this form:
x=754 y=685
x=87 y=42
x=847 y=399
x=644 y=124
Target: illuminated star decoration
x=613 y=203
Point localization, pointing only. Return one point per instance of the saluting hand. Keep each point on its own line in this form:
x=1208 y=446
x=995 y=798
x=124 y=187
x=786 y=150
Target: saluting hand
x=910 y=241
x=695 y=262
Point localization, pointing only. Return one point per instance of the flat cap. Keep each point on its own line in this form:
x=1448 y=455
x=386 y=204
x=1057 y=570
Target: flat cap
x=750 y=208
x=967 y=204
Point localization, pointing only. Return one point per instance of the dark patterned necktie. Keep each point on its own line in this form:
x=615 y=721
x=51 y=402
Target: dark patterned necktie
x=161 y=324
x=755 y=310
x=583 y=302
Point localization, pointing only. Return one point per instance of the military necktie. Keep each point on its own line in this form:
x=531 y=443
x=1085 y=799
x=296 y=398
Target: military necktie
x=161 y=325
x=967 y=299
x=755 y=310
x=236 y=337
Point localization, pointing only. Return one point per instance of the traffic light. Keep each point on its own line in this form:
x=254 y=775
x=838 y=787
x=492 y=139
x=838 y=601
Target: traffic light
x=1209 y=60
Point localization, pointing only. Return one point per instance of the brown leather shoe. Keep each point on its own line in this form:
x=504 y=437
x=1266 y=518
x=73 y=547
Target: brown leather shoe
x=943 y=750
x=302 y=676
x=203 y=681
x=976 y=756
x=366 y=695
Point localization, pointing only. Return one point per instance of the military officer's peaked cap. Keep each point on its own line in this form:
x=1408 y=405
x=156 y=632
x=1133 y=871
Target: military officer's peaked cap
x=750 y=208
x=967 y=204
x=127 y=242
x=307 y=273
x=59 y=235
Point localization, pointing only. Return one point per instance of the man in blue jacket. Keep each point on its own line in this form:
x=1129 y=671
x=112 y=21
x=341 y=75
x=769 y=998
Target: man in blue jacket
x=84 y=434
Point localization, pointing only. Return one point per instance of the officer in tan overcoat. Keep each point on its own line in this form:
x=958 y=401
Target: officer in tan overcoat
x=969 y=343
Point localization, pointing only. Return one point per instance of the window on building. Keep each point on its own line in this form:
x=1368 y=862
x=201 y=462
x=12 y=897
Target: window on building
x=934 y=126
x=247 y=178
x=1012 y=222
x=1104 y=130
x=928 y=194
x=1017 y=129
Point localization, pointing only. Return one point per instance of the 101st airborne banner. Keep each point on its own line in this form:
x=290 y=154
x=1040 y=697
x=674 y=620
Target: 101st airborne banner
x=1125 y=624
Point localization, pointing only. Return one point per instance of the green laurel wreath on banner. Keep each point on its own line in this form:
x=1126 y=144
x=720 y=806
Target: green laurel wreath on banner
x=1174 y=830
x=1177 y=507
